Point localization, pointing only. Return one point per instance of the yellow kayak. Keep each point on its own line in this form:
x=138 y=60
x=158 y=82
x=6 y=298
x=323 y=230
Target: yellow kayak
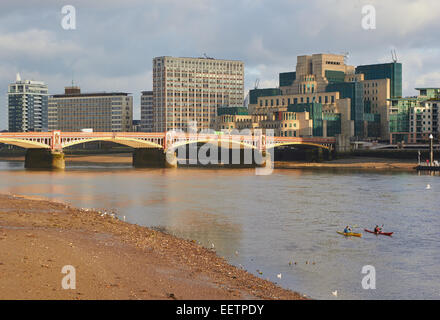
x=353 y=234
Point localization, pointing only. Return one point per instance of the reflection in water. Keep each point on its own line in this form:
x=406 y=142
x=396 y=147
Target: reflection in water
x=289 y=216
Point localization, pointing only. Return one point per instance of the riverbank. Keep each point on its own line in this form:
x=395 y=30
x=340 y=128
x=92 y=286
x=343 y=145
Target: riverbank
x=113 y=259
x=359 y=162
x=368 y=163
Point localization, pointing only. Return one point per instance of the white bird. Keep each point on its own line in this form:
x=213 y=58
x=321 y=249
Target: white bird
x=212 y=246
x=124 y=218
x=279 y=275
x=335 y=293
x=428 y=186
x=236 y=253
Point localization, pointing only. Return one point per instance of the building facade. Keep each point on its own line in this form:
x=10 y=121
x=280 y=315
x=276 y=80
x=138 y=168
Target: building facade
x=327 y=80
x=147 y=111
x=101 y=112
x=414 y=119
x=188 y=91
x=27 y=106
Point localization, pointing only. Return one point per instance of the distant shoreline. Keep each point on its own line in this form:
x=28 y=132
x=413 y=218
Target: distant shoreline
x=355 y=162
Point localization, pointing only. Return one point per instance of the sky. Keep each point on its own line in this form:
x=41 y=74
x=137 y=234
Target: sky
x=114 y=42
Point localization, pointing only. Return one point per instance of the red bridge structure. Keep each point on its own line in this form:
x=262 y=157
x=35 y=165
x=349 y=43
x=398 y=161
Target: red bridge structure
x=45 y=149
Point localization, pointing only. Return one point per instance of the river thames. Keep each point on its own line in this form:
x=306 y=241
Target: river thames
x=284 y=223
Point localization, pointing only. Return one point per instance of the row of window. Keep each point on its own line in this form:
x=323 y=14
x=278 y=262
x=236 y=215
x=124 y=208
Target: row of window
x=276 y=102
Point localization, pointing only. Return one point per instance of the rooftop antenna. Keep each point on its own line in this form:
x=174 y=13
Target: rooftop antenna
x=394 y=55
x=257 y=82
x=346 y=55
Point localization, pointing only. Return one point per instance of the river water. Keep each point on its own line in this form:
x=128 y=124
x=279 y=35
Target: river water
x=284 y=223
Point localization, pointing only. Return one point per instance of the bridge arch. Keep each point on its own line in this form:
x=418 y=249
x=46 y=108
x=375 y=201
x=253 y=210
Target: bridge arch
x=300 y=143
x=130 y=142
x=27 y=144
x=220 y=142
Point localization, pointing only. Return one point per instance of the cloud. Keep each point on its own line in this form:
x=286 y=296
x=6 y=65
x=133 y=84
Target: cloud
x=115 y=40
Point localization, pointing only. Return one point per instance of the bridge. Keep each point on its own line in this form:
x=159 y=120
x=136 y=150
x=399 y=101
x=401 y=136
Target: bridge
x=45 y=149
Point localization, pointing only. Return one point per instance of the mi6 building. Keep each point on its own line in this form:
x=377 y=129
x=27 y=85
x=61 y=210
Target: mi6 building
x=324 y=97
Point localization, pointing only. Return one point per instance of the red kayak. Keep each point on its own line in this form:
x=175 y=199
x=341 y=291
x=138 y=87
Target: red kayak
x=382 y=233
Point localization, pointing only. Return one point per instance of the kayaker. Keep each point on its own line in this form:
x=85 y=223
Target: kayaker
x=377 y=229
x=347 y=229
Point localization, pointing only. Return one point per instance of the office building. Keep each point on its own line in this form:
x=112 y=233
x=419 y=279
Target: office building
x=100 y=111
x=188 y=91
x=326 y=79
x=147 y=111
x=27 y=106
x=392 y=71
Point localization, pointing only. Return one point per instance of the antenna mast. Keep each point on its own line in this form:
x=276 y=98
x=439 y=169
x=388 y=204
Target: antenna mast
x=394 y=55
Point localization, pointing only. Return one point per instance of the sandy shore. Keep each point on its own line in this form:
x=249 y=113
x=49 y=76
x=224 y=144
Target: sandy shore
x=113 y=259
x=351 y=163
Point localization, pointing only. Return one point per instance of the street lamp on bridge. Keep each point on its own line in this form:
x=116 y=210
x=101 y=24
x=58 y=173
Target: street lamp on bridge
x=431 y=158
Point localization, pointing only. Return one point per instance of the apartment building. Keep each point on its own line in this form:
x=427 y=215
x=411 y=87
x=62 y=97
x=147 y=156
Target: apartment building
x=27 y=106
x=100 y=111
x=188 y=91
x=413 y=119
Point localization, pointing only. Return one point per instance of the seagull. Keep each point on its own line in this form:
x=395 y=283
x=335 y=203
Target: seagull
x=279 y=276
x=212 y=246
x=335 y=293
x=428 y=186
x=236 y=253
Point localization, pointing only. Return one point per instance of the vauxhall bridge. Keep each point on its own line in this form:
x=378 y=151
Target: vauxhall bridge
x=45 y=149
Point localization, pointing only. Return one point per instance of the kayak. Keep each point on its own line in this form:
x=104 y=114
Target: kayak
x=352 y=234
x=383 y=233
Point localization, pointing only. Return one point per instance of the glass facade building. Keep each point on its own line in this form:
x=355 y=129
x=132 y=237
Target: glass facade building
x=287 y=78
x=354 y=91
x=315 y=111
x=254 y=94
x=392 y=71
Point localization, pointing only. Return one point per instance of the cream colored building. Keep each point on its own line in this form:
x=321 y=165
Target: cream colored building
x=102 y=112
x=424 y=121
x=327 y=79
x=188 y=91
x=313 y=72
x=377 y=94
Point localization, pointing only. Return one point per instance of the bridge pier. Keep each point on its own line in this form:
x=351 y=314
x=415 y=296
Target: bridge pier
x=265 y=160
x=44 y=159
x=342 y=143
x=154 y=158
